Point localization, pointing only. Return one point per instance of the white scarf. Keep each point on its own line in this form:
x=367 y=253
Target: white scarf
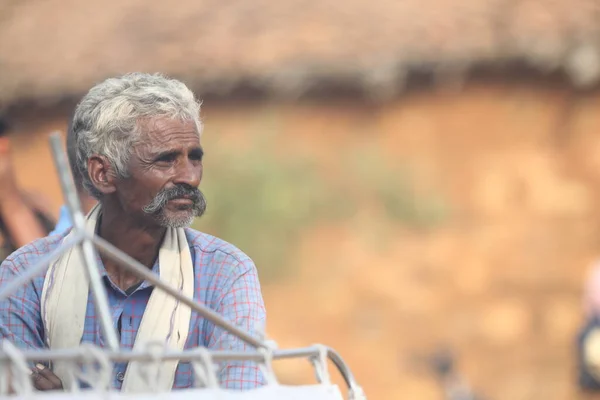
x=65 y=297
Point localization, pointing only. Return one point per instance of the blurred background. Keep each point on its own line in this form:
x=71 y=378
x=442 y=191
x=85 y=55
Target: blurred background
x=408 y=176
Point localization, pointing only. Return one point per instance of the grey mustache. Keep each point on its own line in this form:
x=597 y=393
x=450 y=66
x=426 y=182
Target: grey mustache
x=181 y=191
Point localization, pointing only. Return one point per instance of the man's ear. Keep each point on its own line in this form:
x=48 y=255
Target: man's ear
x=102 y=174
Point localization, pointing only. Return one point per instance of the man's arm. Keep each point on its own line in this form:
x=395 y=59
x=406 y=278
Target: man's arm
x=242 y=304
x=20 y=319
x=20 y=220
x=21 y=223
x=21 y=324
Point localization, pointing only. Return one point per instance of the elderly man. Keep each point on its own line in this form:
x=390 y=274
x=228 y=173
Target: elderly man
x=138 y=153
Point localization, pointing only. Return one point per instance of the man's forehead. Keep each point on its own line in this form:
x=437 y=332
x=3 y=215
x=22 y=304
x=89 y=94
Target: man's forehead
x=178 y=144
x=170 y=131
x=161 y=124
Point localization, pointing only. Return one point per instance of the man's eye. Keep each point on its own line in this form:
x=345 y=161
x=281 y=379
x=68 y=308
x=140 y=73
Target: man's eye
x=196 y=155
x=166 y=158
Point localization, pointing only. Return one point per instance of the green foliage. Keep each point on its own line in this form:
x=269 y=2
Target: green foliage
x=262 y=200
x=393 y=187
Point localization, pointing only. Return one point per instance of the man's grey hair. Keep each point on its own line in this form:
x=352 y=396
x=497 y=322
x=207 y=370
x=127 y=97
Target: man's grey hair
x=108 y=120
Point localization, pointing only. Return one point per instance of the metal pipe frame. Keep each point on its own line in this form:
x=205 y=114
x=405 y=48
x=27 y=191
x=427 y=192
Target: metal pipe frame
x=88 y=243
x=81 y=354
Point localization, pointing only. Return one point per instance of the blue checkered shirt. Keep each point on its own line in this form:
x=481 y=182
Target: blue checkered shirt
x=225 y=280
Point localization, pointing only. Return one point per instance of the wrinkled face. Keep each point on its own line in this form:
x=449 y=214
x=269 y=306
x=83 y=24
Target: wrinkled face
x=165 y=170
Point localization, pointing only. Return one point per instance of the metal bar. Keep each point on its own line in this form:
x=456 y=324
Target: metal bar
x=184 y=356
x=333 y=355
x=89 y=258
x=39 y=267
x=79 y=354
x=136 y=267
x=99 y=293
x=119 y=356
x=344 y=370
x=66 y=182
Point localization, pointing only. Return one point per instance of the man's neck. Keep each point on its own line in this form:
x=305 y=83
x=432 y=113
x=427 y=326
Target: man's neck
x=139 y=242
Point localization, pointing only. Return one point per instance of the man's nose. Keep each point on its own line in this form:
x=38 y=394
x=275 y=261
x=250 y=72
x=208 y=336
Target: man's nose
x=189 y=173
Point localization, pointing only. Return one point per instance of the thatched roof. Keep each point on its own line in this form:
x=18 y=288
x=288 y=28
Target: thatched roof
x=58 y=48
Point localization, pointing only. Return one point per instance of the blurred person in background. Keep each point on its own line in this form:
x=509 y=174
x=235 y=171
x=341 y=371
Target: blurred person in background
x=588 y=340
x=24 y=215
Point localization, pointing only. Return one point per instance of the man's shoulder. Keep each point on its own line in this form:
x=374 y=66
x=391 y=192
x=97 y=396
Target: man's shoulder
x=212 y=247
x=36 y=249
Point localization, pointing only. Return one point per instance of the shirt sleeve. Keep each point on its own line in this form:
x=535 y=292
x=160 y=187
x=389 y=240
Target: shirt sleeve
x=20 y=319
x=241 y=303
x=64 y=221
